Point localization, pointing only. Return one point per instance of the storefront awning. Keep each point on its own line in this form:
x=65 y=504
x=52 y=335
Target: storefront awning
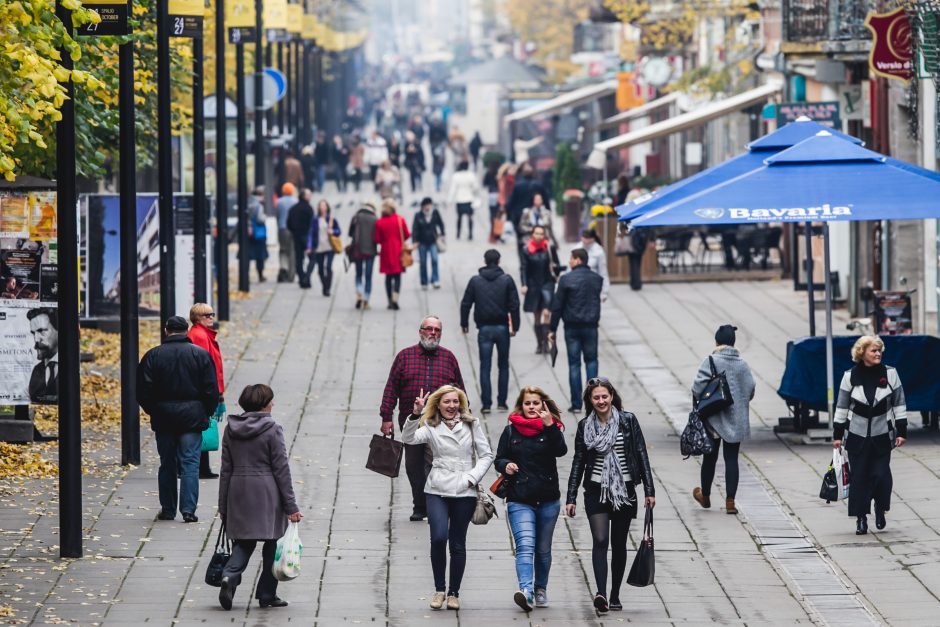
x=580 y=96
x=684 y=121
x=637 y=112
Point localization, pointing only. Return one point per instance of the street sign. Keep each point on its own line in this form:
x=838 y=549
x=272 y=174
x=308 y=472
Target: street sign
x=240 y=21
x=295 y=20
x=274 y=18
x=823 y=112
x=186 y=17
x=113 y=14
x=274 y=86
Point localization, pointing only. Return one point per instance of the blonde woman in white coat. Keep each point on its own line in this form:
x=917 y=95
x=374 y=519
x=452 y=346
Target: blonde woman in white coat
x=452 y=434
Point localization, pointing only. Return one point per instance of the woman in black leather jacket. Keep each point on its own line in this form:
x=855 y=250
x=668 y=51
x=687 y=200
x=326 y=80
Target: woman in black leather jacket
x=610 y=457
x=528 y=449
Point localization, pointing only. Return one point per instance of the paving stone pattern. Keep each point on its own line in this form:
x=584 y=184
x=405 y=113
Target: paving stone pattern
x=787 y=558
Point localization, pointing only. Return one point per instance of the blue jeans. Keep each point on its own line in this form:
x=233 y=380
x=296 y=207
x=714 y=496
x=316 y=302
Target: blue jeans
x=580 y=340
x=532 y=528
x=321 y=178
x=364 y=277
x=423 y=251
x=488 y=336
x=449 y=518
x=179 y=451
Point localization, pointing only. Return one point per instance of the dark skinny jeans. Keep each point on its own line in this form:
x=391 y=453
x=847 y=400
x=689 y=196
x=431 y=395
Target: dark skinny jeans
x=449 y=518
x=731 y=468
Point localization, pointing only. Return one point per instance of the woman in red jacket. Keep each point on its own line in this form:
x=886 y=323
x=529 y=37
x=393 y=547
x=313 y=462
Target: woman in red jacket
x=391 y=233
x=203 y=335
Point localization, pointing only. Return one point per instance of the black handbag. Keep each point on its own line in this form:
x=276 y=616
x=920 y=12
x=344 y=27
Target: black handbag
x=695 y=439
x=223 y=551
x=716 y=395
x=829 y=491
x=643 y=570
x=385 y=455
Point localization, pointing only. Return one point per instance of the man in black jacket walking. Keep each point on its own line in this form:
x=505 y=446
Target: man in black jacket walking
x=494 y=294
x=177 y=386
x=578 y=302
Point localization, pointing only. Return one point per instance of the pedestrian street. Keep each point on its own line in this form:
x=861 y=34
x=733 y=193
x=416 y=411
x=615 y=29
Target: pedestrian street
x=787 y=557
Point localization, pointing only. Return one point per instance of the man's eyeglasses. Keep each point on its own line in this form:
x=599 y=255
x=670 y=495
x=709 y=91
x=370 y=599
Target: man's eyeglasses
x=598 y=381
x=431 y=330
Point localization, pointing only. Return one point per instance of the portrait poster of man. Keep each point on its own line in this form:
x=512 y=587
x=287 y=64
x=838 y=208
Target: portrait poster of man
x=29 y=353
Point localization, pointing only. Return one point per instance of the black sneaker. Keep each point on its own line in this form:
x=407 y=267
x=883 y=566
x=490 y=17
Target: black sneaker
x=615 y=605
x=485 y=410
x=600 y=604
x=503 y=407
x=275 y=602
x=417 y=516
x=166 y=516
x=209 y=475
x=190 y=518
x=574 y=410
x=226 y=594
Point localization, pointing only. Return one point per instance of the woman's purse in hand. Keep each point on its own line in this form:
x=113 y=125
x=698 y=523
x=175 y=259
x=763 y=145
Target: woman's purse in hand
x=406 y=257
x=499 y=488
x=716 y=395
x=223 y=551
x=485 y=508
x=643 y=570
x=385 y=455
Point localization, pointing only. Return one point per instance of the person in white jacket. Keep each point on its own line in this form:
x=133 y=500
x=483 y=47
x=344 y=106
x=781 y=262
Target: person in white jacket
x=454 y=437
x=464 y=192
x=597 y=257
x=376 y=154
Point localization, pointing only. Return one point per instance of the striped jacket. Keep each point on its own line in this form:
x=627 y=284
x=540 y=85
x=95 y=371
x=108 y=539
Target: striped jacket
x=865 y=420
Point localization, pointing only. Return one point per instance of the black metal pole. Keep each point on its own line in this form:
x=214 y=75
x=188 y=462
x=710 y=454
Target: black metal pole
x=281 y=106
x=298 y=93
x=270 y=113
x=810 y=293
x=70 y=415
x=221 y=168
x=200 y=212
x=291 y=87
x=259 y=95
x=305 y=97
x=165 y=167
x=130 y=343
x=242 y=150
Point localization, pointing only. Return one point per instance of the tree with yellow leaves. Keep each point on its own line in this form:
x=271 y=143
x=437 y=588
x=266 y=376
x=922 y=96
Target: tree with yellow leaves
x=548 y=26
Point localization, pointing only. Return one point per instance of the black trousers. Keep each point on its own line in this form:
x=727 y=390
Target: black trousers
x=417 y=467
x=636 y=272
x=871 y=479
x=241 y=553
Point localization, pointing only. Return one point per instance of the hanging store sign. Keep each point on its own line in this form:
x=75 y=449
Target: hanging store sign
x=240 y=20
x=309 y=27
x=274 y=18
x=822 y=112
x=295 y=20
x=186 y=17
x=113 y=15
x=891 y=53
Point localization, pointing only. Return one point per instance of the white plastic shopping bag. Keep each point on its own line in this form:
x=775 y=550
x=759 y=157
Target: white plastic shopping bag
x=287 y=556
x=840 y=463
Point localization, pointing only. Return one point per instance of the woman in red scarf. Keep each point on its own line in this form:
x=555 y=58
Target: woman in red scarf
x=527 y=454
x=539 y=261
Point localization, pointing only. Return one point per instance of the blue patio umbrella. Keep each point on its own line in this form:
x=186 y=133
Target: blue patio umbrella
x=821 y=179
x=758 y=150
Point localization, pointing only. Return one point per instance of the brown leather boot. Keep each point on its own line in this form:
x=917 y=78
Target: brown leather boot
x=701 y=498
x=729 y=506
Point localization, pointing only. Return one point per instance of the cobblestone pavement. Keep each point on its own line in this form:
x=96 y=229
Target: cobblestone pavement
x=787 y=558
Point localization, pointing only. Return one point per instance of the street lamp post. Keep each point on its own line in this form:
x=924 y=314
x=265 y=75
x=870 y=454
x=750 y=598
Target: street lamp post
x=165 y=166
x=242 y=149
x=259 y=94
x=200 y=213
x=221 y=167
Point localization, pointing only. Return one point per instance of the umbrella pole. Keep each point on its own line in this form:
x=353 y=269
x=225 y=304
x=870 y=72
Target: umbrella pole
x=829 y=373
x=810 y=286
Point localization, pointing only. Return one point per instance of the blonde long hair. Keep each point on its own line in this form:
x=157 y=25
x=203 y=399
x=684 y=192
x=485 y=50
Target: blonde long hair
x=432 y=417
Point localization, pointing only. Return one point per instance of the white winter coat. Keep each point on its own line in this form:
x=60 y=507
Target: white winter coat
x=452 y=472
x=464 y=187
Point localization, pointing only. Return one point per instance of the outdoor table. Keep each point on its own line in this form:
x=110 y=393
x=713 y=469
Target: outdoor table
x=803 y=385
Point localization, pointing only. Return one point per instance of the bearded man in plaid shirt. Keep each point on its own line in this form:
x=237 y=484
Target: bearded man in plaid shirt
x=417 y=370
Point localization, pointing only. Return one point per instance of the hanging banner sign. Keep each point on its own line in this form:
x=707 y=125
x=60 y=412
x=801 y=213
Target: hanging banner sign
x=295 y=20
x=113 y=14
x=309 y=27
x=275 y=19
x=240 y=20
x=891 y=53
x=186 y=17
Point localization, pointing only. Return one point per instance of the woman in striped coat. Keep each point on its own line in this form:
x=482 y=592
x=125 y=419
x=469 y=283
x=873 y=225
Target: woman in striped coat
x=871 y=407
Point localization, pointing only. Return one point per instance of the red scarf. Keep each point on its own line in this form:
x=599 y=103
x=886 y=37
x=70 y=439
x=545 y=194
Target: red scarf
x=531 y=426
x=535 y=247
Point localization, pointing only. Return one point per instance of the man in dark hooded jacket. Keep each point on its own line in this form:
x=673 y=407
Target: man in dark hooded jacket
x=495 y=298
x=177 y=386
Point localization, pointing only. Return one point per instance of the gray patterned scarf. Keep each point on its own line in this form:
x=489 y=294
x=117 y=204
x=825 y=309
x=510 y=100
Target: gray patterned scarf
x=601 y=438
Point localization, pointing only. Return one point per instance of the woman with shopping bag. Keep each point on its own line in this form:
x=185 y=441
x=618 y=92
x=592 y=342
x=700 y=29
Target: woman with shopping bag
x=462 y=455
x=872 y=408
x=256 y=494
x=204 y=336
x=610 y=460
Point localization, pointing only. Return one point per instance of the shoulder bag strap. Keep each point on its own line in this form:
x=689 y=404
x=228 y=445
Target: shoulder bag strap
x=648 y=524
x=711 y=363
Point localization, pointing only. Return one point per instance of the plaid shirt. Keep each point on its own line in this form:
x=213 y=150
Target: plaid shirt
x=413 y=370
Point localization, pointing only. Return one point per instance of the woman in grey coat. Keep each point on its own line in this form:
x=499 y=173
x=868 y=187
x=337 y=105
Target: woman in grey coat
x=256 y=495
x=731 y=425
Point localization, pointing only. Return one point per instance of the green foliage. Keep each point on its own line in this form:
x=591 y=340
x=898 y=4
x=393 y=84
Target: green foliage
x=567 y=174
x=491 y=156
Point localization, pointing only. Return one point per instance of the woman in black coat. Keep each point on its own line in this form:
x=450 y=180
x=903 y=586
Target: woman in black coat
x=528 y=448
x=538 y=263
x=414 y=160
x=610 y=460
x=425 y=230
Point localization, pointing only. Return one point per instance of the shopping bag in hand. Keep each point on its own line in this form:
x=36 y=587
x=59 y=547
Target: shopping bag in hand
x=840 y=464
x=287 y=555
x=644 y=564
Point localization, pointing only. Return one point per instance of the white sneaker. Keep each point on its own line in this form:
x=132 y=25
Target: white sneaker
x=437 y=601
x=523 y=599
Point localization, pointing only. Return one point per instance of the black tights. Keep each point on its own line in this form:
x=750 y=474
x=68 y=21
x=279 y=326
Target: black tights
x=392 y=285
x=612 y=529
x=731 y=468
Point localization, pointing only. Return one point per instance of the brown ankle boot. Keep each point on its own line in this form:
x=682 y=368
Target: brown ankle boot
x=702 y=499
x=729 y=506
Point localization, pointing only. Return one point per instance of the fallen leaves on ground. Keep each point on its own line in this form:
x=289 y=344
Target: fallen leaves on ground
x=23 y=460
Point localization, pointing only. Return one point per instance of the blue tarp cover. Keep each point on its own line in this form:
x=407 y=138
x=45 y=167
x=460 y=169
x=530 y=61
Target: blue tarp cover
x=916 y=358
